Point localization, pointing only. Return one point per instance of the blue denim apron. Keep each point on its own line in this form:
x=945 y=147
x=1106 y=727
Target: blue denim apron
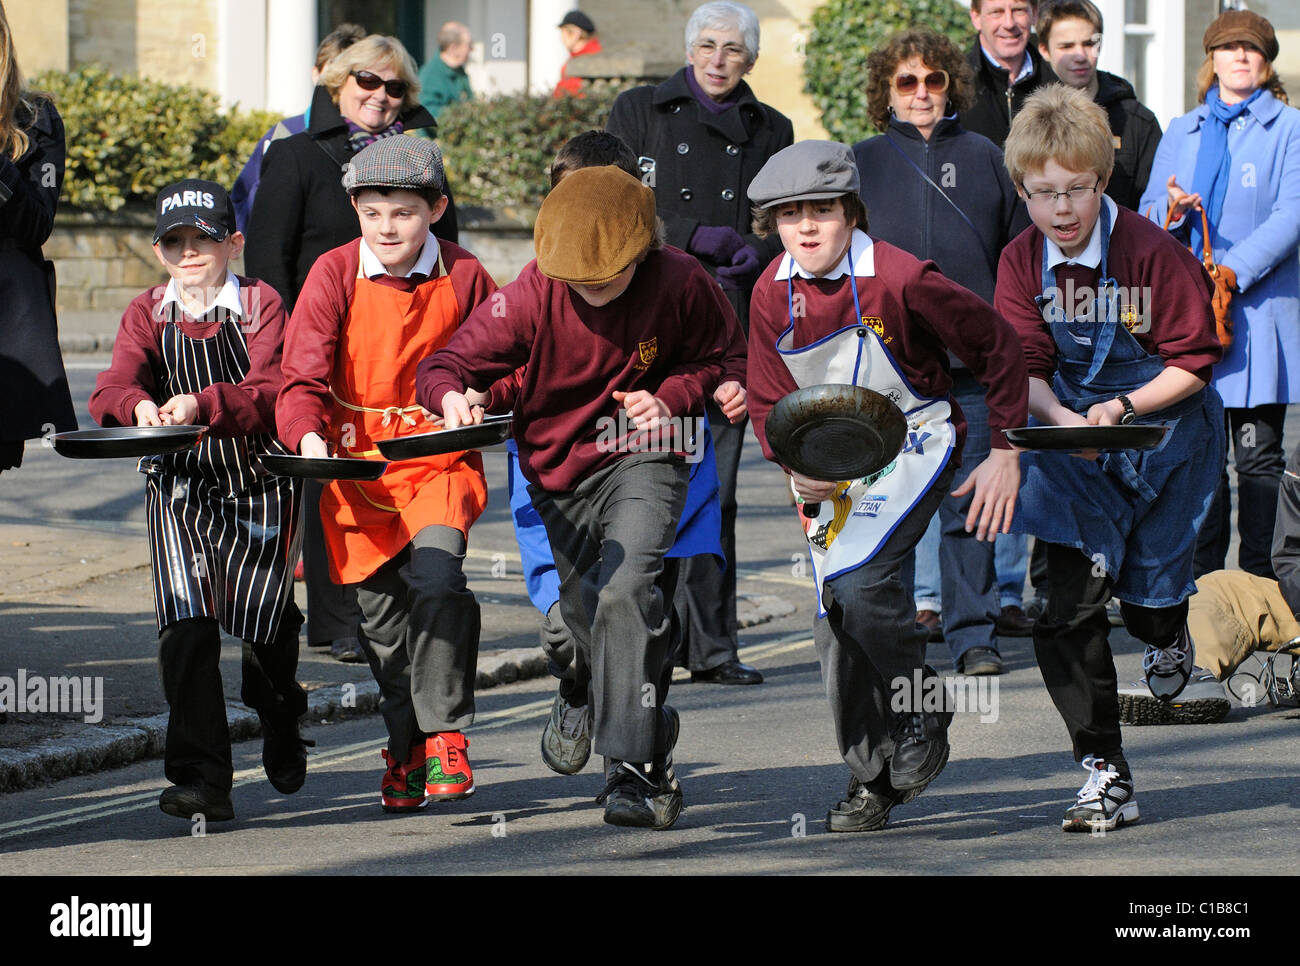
x=1134 y=512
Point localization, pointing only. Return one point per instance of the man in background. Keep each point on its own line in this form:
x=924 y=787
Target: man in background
x=443 y=79
x=578 y=34
x=1007 y=68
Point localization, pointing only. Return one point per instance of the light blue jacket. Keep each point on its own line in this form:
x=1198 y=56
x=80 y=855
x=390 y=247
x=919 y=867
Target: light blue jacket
x=1258 y=237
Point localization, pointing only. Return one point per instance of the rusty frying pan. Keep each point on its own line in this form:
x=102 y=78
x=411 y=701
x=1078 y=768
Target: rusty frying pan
x=835 y=431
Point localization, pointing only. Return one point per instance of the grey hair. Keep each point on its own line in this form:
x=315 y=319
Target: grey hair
x=724 y=15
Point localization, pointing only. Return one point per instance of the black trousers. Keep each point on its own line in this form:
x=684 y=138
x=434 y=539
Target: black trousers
x=1256 y=436
x=1071 y=643
x=332 y=610
x=189 y=662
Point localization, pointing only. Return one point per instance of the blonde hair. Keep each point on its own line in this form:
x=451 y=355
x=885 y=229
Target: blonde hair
x=377 y=50
x=1206 y=78
x=1060 y=124
x=13 y=139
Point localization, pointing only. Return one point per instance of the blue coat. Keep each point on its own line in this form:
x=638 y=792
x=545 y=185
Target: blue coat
x=1258 y=237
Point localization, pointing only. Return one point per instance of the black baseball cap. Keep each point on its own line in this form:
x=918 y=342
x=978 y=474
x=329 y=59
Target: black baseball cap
x=205 y=205
x=576 y=18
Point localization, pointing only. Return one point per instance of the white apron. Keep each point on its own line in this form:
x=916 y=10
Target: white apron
x=862 y=514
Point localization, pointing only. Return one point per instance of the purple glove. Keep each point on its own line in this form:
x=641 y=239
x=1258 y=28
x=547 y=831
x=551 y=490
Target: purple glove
x=743 y=271
x=716 y=243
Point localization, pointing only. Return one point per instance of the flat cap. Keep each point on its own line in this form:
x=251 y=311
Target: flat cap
x=397 y=161
x=576 y=18
x=1233 y=26
x=808 y=170
x=593 y=224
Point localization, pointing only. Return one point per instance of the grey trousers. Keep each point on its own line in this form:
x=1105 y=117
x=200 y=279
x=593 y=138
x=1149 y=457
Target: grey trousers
x=869 y=640
x=420 y=631
x=609 y=537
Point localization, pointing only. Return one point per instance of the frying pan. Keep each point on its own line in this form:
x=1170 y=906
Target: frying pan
x=1076 y=438
x=493 y=429
x=835 y=431
x=126 y=441
x=323 y=468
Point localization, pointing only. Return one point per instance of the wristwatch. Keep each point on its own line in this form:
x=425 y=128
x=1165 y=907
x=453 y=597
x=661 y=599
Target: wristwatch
x=1129 y=414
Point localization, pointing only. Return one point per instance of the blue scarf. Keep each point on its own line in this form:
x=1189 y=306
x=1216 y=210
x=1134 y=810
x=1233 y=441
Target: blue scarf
x=1213 y=163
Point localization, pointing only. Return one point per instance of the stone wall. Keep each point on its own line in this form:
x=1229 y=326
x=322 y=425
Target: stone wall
x=102 y=261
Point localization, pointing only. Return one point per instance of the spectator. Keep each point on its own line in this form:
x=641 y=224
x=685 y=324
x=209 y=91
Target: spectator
x=34 y=398
x=578 y=34
x=1069 y=39
x=1237 y=156
x=1007 y=69
x=443 y=79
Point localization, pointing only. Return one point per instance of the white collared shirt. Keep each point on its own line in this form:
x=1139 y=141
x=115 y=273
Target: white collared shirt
x=1026 y=65
x=424 y=265
x=1090 y=257
x=227 y=298
x=861 y=248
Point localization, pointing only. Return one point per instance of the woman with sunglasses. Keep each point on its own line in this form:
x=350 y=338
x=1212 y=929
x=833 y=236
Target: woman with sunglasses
x=1237 y=156
x=367 y=92
x=940 y=192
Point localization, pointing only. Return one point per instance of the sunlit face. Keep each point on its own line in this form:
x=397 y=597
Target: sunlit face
x=1003 y=27
x=573 y=37
x=195 y=260
x=1240 y=68
x=719 y=61
x=457 y=54
x=1073 y=49
x=370 y=110
x=922 y=107
x=395 y=226
x=598 y=295
x=815 y=233
x=1067 y=221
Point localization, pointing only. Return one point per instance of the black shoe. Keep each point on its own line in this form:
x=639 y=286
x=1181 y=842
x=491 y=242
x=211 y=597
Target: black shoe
x=186 y=801
x=348 y=650
x=1012 y=622
x=635 y=797
x=732 y=672
x=920 y=750
x=566 y=739
x=864 y=810
x=931 y=623
x=284 y=752
x=981 y=660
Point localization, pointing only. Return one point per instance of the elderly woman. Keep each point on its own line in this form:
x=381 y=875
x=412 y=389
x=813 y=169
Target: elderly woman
x=34 y=399
x=940 y=192
x=1237 y=156
x=367 y=92
x=702 y=136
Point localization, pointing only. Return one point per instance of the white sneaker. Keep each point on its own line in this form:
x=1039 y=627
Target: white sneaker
x=1104 y=802
x=1203 y=701
x=1167 y=669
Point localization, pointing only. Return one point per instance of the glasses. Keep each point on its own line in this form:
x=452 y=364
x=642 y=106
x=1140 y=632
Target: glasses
x=372 y=82
x=1048 y=197
x=708 y=48
x=936 y=82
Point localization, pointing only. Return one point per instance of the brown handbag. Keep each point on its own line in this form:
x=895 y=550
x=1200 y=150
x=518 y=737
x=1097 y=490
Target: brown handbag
x=1224 y=278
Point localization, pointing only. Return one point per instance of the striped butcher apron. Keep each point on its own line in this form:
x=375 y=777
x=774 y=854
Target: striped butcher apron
x=860 y=516
x=223 y=532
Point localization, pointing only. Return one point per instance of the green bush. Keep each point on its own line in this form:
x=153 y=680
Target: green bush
x=845 y=32
x=498 y=151
x=129 y=137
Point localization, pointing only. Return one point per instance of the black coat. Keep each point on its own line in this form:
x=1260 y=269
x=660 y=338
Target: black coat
x=699 y=163
x=33 y=385
x=994 y=105
x=1137 y=135
x=301 y=210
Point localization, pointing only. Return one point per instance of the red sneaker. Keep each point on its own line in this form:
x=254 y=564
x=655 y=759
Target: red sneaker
x=447 y=772
x=402 y=788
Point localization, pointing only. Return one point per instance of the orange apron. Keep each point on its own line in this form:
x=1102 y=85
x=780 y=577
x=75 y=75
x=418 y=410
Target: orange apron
x=386 y=334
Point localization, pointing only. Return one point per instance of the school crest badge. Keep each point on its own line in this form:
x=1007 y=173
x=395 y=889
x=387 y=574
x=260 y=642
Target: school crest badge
x=1128 y=316
x=648 y=350
x=875 y=324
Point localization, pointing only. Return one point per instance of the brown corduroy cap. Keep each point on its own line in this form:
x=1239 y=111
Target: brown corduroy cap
x=592 y=225
x=1242 y=25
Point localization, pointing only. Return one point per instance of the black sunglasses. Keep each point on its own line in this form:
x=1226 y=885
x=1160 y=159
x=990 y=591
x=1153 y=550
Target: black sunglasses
x=371 y=82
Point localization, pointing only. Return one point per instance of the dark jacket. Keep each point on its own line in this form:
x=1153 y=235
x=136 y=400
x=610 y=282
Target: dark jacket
x=700 y=164
x=906 y=211
x=301 y=210
x=33 y=384
x=995 y=105
x=1137 y=134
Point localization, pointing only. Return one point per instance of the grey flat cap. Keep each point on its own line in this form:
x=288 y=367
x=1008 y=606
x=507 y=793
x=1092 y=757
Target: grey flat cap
x=807 y=170
x=397 y=161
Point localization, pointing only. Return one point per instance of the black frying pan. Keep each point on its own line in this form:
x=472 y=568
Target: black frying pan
x=1076 y=438
x=126 y=441
x=493 y=429
x=323 y=468
x=835 y=431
